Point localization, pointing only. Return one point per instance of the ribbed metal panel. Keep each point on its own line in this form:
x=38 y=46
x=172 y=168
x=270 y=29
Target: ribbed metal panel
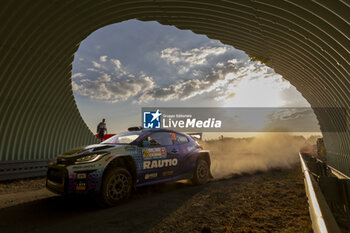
x=308 y=42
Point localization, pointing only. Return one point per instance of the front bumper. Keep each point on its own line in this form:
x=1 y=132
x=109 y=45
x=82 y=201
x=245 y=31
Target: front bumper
x=73 y=179
x=57 y=179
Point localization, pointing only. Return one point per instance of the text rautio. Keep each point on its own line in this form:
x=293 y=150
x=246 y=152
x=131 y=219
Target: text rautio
x=191 y=123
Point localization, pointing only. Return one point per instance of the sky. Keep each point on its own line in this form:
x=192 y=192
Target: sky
x=125 y=66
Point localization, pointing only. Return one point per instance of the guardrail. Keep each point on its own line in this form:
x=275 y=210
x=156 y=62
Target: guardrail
x=324 y=191
x=338 y=174
x=11 y=170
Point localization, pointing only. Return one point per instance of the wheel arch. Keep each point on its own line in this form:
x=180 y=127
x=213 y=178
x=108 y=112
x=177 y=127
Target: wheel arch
x=125 y=161
x=206 y=156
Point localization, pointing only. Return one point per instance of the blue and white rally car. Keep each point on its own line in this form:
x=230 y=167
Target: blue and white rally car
x=111 y=169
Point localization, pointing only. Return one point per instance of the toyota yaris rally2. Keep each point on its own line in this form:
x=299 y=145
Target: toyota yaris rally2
x=110 y=170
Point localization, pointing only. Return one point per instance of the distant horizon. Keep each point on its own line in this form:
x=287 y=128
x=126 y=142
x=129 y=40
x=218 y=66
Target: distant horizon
x=243 y=135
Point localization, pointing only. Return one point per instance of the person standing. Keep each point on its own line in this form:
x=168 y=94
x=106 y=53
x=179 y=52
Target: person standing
x=101 y=129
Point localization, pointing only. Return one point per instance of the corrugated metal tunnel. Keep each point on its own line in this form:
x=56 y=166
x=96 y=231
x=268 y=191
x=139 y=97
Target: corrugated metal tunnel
x=308 y=42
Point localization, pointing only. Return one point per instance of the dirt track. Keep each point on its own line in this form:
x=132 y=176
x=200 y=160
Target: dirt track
x=273 y=201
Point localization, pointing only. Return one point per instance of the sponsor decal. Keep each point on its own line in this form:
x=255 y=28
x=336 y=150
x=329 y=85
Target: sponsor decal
x=167 y=173
x=81 y=176
x=159 y=163
x=152 y=153
x=130 y=148
x=184 y=149
x=151 y=120
x=108 y=158
x=151 y=176
x=81 y=186
x=190 y=148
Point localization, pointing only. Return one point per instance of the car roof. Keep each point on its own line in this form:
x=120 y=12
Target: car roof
x=156 y=130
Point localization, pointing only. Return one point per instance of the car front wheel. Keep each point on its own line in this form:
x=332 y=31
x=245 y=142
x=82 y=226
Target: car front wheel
x=201 y=172
x=116 y=186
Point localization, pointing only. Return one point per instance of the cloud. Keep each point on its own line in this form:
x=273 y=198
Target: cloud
x=113 y=85
x=187 y=60
x=185 y=89
x=290 y=114
x=78 y=75
x=230 y=96
x=297 y=115
x=103 y=58
x=208 y=69
x=196 y=56
x=220 y=64
x=115 y=91
x=96 y=65
x=221 y=82
x=112 y=91
x=117 y=63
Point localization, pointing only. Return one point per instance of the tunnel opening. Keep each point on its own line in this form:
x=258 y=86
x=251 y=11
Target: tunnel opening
x=122 y=67
x=307 y=42
x=145 y=63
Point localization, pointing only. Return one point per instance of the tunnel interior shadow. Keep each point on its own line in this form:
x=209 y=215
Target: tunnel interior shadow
x=147 y=207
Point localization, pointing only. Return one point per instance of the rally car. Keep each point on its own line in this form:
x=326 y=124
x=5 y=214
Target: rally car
x=112 y=169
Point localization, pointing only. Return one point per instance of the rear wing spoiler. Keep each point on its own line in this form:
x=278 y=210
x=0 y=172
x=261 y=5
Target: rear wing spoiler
x=196 y=136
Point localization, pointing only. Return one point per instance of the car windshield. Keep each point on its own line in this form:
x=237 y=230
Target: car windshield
x=122 y=138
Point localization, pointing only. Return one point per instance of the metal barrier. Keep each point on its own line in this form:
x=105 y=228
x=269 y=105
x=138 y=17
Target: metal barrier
x=11 y=170
x=327 y=192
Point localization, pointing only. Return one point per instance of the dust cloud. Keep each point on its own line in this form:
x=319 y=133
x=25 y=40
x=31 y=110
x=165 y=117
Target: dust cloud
x=232 y=156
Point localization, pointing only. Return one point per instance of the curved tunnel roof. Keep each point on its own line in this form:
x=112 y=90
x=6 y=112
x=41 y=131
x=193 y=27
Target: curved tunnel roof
x=308 y=42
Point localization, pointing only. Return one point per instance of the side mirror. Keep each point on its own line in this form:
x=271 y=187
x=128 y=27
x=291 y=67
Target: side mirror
x=146 y=143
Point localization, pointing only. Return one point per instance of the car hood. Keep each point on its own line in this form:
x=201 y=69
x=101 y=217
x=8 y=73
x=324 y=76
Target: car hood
x=98 y=148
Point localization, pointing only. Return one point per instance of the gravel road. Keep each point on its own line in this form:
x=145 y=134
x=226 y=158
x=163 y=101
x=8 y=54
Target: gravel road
x=272 y=201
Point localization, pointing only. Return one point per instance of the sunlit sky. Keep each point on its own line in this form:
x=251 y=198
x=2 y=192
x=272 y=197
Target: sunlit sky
x=122 y=67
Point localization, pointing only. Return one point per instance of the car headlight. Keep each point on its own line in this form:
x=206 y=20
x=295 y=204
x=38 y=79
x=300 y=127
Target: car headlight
x=89 y=158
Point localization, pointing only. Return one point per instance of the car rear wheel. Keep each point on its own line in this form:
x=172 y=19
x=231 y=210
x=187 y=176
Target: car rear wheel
x=116 y=187
x=201 y=173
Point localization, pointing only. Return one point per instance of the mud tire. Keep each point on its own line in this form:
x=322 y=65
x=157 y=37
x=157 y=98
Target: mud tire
x=201 y=173
x=116 y=187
